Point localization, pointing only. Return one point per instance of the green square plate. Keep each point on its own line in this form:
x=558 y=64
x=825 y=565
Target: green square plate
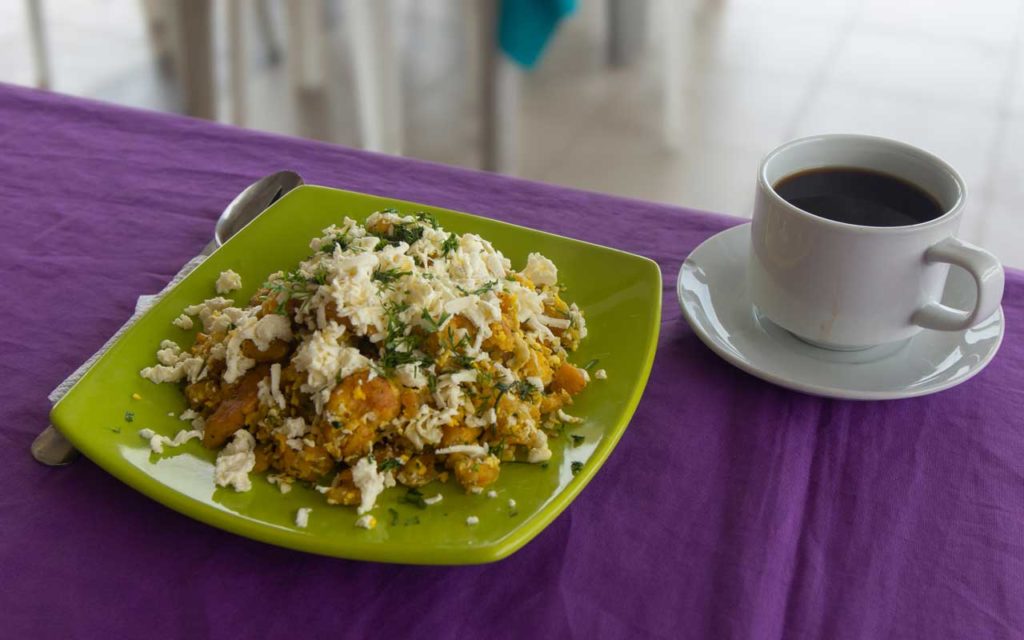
x=619 y=293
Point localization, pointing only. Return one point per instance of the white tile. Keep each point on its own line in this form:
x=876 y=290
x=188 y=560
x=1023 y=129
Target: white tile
x=1008 y=170
x=763 y=41
x=1004 y=232
x=988 y=23
x=754 y=109
x=713 y=177
x=921 y=67
x=964 y=137
x=800 y=10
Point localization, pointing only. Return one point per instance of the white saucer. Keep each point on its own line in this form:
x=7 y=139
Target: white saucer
x=713 y=293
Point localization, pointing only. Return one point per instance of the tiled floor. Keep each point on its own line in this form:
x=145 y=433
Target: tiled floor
x=946 y=75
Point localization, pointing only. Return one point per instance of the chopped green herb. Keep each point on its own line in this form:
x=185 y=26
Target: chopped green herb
x=400 y=344
x=479 y=291
x=429 y=218
x=524 y=389
x=388 y=277
x=544 y=465
x=336 y=424
x=451 y=243
x=390 y=464
x=392 y=517
x=577 y=440
x=407 y=232
x=320 y=277
x=590 y=365
x=415 y=498
x=512 y=513
x=432 y=325
x=129 y=416
x=576 y=467
x=340 y=240
x=116 y=429
x=412 y=520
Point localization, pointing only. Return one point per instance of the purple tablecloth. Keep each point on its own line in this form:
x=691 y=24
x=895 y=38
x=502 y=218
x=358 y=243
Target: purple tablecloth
x=731 y=508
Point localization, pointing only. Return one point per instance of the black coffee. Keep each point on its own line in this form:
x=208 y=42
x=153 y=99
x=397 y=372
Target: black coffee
x=859 y=196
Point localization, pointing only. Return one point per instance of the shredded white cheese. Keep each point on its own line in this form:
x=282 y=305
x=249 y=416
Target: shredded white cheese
x=228 y=281
x=157 y=442
x=471 y=450
x=433 y=499
x=182 y=322
x=302 y=517
x=472 y=521
x=370 y=482
x=235 y=461
x=565 y=417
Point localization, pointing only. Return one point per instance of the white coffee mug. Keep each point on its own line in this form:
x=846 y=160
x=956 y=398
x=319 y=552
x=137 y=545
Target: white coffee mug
x=846 y=286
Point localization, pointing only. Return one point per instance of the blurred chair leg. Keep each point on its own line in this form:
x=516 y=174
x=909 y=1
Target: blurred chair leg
x=626 y=23
x=671 y=19
x=237 y=60
x=499 y=99
x=265 y=22
x=161 y=37
x=194 y=30
x=370 y=26
x=37 y=34
x=307 y=44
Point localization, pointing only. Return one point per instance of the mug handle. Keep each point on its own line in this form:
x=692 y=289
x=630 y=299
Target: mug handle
x=987 y=273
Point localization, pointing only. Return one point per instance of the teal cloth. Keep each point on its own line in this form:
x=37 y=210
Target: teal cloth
x=526 y=26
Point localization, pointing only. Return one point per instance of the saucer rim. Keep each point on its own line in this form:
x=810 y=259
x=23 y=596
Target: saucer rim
x=841 y=393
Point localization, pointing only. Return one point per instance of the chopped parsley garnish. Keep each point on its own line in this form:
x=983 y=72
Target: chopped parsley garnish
x=392 y=517
x=389 y=464
x=577 y=440
x=451 y=243
x=290 y=285
x=544 y=465
x=407 y=232
x=320 y=277
x=412 y=520
x=458 y=349
x=576 y=467
x=429 y=218
x=116 y=429
x=590 y=365
x=415 y=498
x=387 y=277
x=524 y=389
x=336 y=424
x=479 y=291
x=129 y=416
x=400 y=344
x=340 y=240
x=432 y=325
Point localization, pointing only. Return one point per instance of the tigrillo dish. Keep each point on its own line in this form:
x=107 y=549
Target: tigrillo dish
x=397 y=353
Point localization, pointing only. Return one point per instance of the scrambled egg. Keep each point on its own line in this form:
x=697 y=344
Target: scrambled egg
x=397 y=353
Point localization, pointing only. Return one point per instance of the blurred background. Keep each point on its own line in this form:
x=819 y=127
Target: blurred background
x=673 y=101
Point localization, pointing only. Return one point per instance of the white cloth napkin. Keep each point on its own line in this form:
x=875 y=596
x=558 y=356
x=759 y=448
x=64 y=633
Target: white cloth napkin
x=141 y=306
